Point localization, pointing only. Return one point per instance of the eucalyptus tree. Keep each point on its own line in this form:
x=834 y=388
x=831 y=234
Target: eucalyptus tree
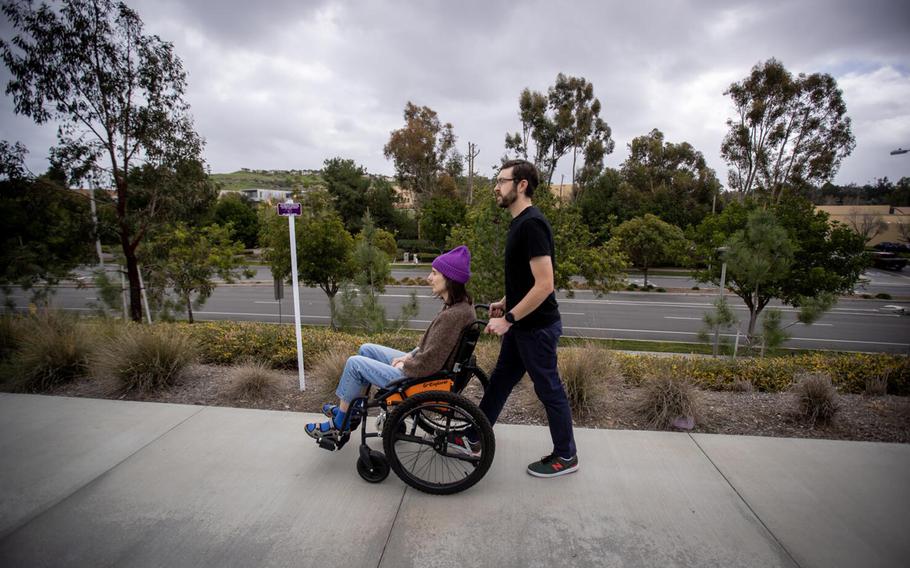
x=789 y=132
x=115 y=93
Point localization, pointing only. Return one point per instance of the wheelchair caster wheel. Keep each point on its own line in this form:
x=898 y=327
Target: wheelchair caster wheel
x=374 y=470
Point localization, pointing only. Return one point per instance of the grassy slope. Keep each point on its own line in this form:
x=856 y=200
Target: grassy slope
x=261 y=179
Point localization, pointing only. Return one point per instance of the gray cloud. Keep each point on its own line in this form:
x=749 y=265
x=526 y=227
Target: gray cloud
x=287 y=84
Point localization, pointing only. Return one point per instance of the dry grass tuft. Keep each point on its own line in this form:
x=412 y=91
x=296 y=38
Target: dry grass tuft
x=587 y=371
x=326 y=370
x=664 y=397
x=742 y=385
x=144 y=359
x=816 y=398
x=253 y=380
x=877 y=385
x=44 y=351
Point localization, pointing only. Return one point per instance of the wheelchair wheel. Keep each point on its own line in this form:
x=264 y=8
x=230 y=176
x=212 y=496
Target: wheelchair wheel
x=427 y=421
x=423 y=457
x=376 y=470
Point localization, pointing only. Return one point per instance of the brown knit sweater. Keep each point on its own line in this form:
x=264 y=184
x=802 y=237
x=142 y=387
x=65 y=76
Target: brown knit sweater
x=437 y=345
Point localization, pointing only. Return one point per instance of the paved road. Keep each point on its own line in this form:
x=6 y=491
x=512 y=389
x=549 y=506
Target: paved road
x=853 y=325
x=110 y=483
x=875 y=281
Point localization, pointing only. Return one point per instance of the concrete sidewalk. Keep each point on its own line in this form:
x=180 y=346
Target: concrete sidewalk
x=104 y=483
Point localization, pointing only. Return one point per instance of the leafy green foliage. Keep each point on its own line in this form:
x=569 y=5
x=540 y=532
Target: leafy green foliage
x=360 y=307
x=324 y=248
x=566 y=119
x=789 y=132
x=722 y=319
x=648 y=241
x=790 y=252
x=484 y=233
x=185 y=259
x=47 y=230
x=420 y=150
x=438 y=216
x=117 y=95
x=241 y=215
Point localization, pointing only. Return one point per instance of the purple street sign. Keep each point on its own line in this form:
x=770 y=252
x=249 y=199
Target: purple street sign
x=289 y=209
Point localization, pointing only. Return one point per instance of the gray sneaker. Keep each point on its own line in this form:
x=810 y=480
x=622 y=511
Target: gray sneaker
x=553 y=465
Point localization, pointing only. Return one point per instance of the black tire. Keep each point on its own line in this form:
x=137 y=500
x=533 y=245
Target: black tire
x=421 y=456
x=376 y=470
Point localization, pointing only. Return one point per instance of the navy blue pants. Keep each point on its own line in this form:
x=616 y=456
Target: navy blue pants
x=533 y=351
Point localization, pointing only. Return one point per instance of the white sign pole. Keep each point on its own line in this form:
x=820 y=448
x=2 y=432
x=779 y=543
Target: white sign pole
x=296 y=301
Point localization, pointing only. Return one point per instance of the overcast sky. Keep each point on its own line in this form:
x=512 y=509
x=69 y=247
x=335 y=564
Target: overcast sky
x=286 y=84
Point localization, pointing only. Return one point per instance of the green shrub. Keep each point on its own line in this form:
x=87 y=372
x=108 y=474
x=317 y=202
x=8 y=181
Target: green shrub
x=816 y=398
x=661 y=290
x=696 y=288
x=866 y=296
x=144 y=359
x=50 y=350
x=883 y=296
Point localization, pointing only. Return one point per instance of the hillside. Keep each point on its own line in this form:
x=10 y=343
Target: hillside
x=266 y=179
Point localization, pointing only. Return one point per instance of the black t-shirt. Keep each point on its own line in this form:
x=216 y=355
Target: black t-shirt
x=529 y=236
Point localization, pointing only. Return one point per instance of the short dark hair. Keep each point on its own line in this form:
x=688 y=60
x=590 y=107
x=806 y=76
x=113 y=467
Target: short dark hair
x=457 y=292
x=523 y=170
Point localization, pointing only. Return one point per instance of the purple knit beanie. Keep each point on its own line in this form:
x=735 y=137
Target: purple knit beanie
x=455 y=264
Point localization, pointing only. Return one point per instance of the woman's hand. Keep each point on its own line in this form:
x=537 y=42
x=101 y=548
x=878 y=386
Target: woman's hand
x=398 y=362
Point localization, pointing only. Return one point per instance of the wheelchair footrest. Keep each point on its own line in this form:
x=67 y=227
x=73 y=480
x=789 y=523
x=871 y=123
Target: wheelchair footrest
x=333 y=444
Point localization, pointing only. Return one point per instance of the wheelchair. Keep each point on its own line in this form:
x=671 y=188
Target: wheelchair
x=418 y=418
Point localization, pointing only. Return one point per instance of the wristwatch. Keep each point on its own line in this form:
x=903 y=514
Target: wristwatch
x=510 y=318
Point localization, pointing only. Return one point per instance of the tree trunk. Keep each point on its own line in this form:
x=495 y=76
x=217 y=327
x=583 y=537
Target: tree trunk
x=754 y=310
x=645 y=270
x=132 y=271
x=189 y=308
x=332 y=322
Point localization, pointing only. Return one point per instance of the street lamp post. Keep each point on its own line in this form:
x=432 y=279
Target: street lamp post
x=721 y=251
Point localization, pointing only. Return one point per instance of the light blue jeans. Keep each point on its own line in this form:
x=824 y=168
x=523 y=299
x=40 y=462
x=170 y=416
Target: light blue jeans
x=371 y=366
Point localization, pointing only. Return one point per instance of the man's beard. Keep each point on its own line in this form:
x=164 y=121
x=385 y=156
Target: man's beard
x=507 y=199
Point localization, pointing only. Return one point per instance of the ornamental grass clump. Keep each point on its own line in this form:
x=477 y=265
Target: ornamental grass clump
x=253 y=380
x=666 y=397
x=816 y=398
x=48 y=350
x=326 y=370
x=144 y=359
x=586 y=372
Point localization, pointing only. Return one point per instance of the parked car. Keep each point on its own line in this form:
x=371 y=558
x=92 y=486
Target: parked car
x=892 y=247
x=888 y=261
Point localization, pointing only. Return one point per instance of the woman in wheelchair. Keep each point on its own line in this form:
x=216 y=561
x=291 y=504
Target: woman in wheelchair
x=379 y=365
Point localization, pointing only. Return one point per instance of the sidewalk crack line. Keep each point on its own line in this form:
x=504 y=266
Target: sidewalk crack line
x=392 y=527
x=746 y=503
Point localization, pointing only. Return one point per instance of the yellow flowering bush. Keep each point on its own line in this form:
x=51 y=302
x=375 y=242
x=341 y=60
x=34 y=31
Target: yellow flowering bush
x=226 y=343
x=773 y=374
x=229 y=342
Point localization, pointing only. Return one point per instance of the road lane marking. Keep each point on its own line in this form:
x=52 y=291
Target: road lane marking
x=266 y=302
x=572 y=314
x=680 y=318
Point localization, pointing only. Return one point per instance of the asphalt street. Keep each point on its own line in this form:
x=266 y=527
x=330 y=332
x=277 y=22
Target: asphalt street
x=852 y=325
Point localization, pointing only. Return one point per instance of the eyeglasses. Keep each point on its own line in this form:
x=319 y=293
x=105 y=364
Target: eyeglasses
x=500 y=181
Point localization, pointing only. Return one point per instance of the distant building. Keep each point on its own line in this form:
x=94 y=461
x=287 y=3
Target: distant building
x=855 y=216
x=258 y=195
